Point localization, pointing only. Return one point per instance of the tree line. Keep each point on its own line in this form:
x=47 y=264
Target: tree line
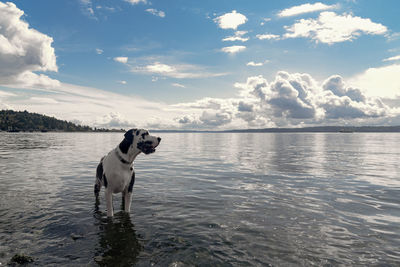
x=15 y=121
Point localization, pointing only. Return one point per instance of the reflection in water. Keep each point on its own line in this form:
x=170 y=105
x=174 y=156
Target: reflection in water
x=118 y=242
x=205 y=199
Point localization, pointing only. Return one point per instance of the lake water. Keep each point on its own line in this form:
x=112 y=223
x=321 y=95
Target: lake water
x=207 y=199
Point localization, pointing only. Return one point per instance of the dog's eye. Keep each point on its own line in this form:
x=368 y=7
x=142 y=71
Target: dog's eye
x=145 y=134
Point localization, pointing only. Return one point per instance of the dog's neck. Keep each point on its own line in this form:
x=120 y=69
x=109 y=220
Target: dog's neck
x=129 y=156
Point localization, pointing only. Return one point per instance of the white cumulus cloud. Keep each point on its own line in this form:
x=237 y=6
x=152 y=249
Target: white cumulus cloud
x=23 y=51
x=305 y=8
x=288 y=100
x=156 y=12
x=230 y=20
x=394 y=58
x=237 y=37
x=135 y=2
x=379 y=82
x=332 y=28
x=178 y=71
x=268 y=36
x=178 y=85
x=161 y=68
x=254 y=64
x=123 y=60
x=233 y=49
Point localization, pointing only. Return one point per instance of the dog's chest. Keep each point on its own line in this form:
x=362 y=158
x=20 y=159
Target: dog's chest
x=118 y=174
x=119 y=181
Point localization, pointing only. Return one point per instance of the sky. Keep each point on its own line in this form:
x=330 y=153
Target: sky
x=203 y=65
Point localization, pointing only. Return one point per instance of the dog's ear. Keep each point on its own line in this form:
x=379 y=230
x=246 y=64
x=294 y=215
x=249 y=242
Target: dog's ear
x=127 y=142
x=129 y=135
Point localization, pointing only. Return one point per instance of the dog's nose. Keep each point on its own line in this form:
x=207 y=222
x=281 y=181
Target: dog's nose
x=159 y=139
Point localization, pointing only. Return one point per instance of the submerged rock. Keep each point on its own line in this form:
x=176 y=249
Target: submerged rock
x=21 y=259
x=76 y=237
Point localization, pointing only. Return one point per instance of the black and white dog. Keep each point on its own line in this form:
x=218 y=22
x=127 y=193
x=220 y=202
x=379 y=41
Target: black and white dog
x=115 y=170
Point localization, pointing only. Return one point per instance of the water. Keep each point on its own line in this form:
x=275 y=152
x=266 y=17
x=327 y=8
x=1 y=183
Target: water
x=205 y=199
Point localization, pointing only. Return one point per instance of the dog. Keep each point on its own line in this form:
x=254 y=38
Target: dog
x=115 y=171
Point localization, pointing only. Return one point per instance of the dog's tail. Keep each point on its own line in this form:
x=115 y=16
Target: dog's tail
x=99 y=177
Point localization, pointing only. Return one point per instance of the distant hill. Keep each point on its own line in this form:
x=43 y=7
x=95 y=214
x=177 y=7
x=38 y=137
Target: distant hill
x=15 y=121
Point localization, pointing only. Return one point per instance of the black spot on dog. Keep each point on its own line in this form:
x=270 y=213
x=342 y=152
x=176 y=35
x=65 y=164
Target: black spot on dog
x=124 y=146
x=105 y=181
x=99 y=170
x=130 y=188
x=144 y=134
x=127 y=142
x=140 y=145
x=137 y=132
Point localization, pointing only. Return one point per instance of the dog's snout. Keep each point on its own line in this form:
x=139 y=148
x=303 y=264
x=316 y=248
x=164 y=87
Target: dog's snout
x=159 y=139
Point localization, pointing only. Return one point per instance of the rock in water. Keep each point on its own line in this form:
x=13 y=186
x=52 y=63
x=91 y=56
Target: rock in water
x=21 y=259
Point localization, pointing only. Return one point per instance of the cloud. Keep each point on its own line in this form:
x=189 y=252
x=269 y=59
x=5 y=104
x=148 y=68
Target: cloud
x=268 y=36
x=101 y=108
x=158 y=67
x=233 y=49
x=256 y=64
x=305 y=8
x=230 y=20
x=395 y=58
x=135 y=2
x=99 y=51
x=288 y=100
x=265 y=20
x=23 y=51
x=111 y=9
x=331 y=28
x=178 y=85
x=206 y=113
x=237 y=37
x=180 y=71
x=114 y=120
x=297 y=97
x=123 y=60
x=380 y=82
x=122 y=82
x=87 y=9
x=156 y=12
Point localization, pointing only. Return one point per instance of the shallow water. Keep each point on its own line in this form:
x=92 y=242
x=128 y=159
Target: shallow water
x=205 y=199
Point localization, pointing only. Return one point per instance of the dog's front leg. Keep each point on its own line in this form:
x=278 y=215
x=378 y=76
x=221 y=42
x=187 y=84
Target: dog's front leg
x=109 y=199
x=127 y=201
x=128 y=193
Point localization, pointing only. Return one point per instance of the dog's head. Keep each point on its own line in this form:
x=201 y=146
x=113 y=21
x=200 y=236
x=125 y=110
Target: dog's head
x=141 y=140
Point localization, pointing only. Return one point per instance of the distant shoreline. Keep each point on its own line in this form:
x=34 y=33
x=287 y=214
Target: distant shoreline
x=320 y=129
x=326 y=129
